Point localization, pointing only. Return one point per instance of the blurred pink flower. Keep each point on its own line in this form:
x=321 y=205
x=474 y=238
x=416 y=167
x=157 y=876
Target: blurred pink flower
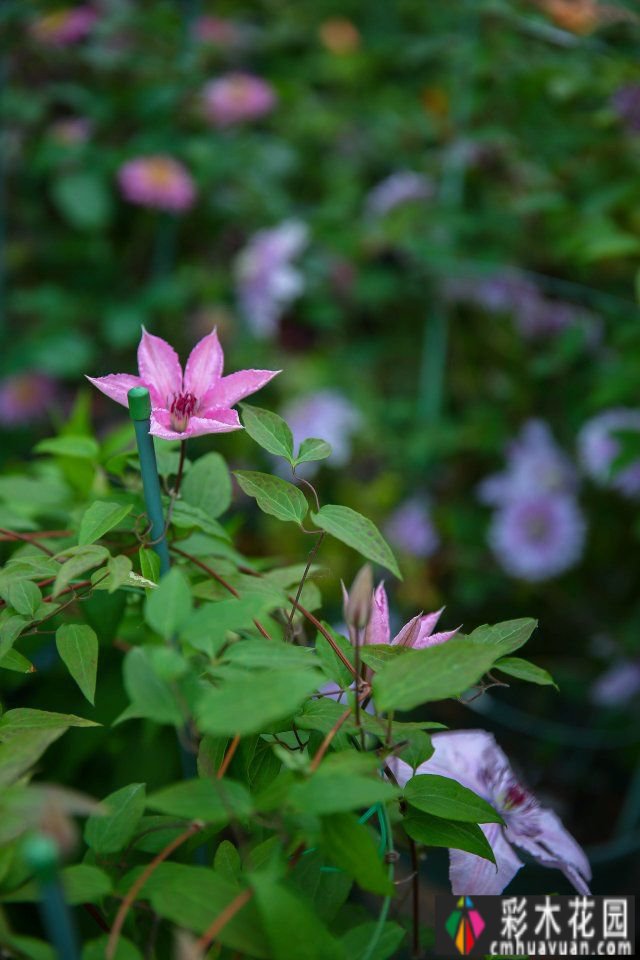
x=190 y=404
x=72 y=131
x=474 y=759
x=237 y=98
x=216 y=30
x=328 y=415
x=417 y=633
x=411 y=529
x=157 y=181
x=64 y=26
x=266 y=280
x=26 y=398
x=599 y=448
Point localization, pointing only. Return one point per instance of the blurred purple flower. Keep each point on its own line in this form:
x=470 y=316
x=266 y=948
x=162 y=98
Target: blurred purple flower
x=237 y=98
x=265 y=279
x=328 y=415
x=157 y=181
x=401 y=187
x=535 y=465
x=411 y=529
x=617 y=685
x=535 y=316
x=474 y=759
x=626 y=103
x=26 y=398
x=599 y=447
x=71 y=132
x=65 y=26
x=538 y=536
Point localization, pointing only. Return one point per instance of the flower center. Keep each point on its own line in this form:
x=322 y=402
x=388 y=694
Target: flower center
x=515 y=797
x=183 y=406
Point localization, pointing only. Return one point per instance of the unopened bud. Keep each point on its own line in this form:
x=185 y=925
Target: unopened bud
x=357 y=602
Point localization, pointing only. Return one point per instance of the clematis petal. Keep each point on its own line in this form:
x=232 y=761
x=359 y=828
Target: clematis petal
x=222 y=415
x=160 y=369
x=378 y=630
x=237 y=386
x=429 y=622
x=433 y=639
x=204 y=367
x=462 y=755
x=471 y=875
x=225 y=422
x=117 y=385
x=409 y=634
x=552 y=846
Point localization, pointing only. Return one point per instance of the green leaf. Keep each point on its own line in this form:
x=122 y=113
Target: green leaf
x=213 y=801
x=82 y=448
x=82 y=883
x=227 y=862
x=16 y=662
x=435 y=673
x=149 y=564
x=99 y=519
x=117 y=574
x=192 y=897
x=150 y=696
x=112 y=832
x=10 y=630
x=313 y=449
x=328 y=792
x=351 y=847
x=444 y=797
x=24 y=596
x=250 y=702
x=274 y=496
x=27 y=718
x=207 y=485
x=525 y=670
x=207 y=628
x=358 y=532
x=22 y=750
x=293 y=929
x=187 y=517
x=77 y=645
x=505 y=637
x=169 y=607
x=82 y=559
x=356 y=940
x=95 y=949
x=418 y=750
x=438 y=832
x=83 y=199
x=268 y=430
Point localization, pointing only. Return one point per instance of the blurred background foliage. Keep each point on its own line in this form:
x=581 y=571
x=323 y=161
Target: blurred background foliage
x=451 y=201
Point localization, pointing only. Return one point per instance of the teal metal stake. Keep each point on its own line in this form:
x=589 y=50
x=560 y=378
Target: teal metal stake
x=140 y=413
x=41 y=855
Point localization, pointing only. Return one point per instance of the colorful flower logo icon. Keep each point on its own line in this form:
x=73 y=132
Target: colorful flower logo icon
x=464 y=925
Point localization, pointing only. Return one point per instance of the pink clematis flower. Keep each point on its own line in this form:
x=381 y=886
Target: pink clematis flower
x=188 y=404
x=157 y=181
x=417 y=633
x=64 y=26
x=474 y=759
x=237 y=98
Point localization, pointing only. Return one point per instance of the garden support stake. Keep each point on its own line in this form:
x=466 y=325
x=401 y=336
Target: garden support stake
x=140 y=413
x=41 y=855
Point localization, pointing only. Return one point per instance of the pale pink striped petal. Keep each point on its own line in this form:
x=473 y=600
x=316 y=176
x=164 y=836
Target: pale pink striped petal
x=204 y=367
x=433 y=639
x=117 y=385
x=224 y=422
x=160 y=369
x=378 y=630
x=471 y=875
x=409 y=633
x=553 y=846
x=429 y=622
x=237 y=386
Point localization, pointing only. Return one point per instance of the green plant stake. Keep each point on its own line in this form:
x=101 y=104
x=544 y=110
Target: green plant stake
x=140 y=413
x=41 y=855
